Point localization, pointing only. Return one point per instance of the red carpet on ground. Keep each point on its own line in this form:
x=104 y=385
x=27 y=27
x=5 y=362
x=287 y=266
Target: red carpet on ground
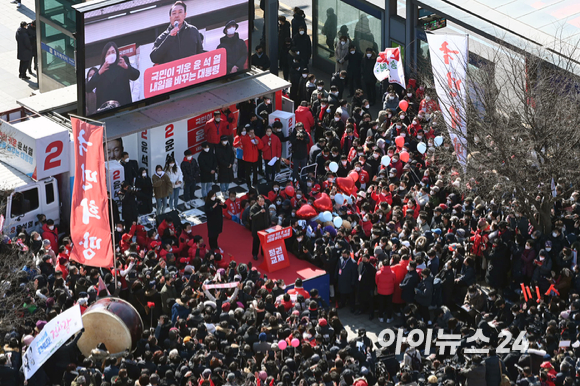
x=237 y=241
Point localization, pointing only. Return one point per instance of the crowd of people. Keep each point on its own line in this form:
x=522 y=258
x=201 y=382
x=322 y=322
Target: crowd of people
x=414 y=248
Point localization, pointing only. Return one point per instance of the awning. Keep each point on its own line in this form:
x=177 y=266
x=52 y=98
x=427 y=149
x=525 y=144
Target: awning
x=211 y=98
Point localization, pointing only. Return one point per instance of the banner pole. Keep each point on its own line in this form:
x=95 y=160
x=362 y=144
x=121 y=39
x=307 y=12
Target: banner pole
x=111 y=206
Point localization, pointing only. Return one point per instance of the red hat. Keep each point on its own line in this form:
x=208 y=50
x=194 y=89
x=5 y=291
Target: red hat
x=155 y=244
x=226 y=307
x=322 y=322
x=360 y=382
x=546 y=365
x=443 y=206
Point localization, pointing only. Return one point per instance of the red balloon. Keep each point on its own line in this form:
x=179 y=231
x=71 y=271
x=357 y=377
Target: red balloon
x=404 y=105
x=353 y=175
x=323 y=203
x=404 y=156
x=306 y=212
x=400 y=141
x=289 y=191
x=345 y=185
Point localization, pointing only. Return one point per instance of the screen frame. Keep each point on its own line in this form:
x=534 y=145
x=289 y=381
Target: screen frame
x=80 y=63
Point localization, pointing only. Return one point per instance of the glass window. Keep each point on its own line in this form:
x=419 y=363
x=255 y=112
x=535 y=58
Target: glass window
x=336 y=19
x=23 y=202
x=57 y=55
x=60 y=12
x=49 y=189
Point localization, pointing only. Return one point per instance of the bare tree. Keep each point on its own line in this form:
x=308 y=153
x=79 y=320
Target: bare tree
x=522 y=114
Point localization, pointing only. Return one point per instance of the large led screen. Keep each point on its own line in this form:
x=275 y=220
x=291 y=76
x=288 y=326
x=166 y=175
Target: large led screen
x=140 y=49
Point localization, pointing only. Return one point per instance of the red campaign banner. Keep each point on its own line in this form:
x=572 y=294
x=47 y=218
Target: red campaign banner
x=185 y=72
x=274 y=248
x=90 y=227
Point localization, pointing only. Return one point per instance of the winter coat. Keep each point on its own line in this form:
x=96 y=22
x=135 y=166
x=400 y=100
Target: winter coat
x=498 y=266
x=225 y=159
x=207 y=162
x=129 y=207
x=23 y=44
x=303 y=45
x=274 y=149
x=299 y=146
x=493 y=371
x=354 y=64
x=400 y=271
x=175 y=178
x=368 y=67
x=341 y=52
x=528 y=256
x=260 y=221
x=113 y=84
x=366 y=273
x=236 y=51
x=475 y=375
x=385 y=279
x=542 y=271
x=250 y=148
x=168 y=48
x=346 y=276
x=408 y=286
x=424 y=293
x=162 y=186
x=213 y=131
x=51 y=235
x=304 y=116
x=215 y=217
x=190 y=170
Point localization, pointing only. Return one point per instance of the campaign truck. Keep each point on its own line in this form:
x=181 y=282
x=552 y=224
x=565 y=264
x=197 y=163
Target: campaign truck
x=34 y=168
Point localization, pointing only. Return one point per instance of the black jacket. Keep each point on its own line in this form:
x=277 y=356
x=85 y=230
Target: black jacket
x=354 y=64
x=168 y=48
x=207 y=163
x=366 y=277
x=215 y=217
x=303 y=45
x=131 y=169
x=24 y=46
x=237 y=52
x=262 y=62
x=408 y=286
x=299 y=146
x=225 y=159
x=260 y=221
x=368 y=67
x=113 y=84
x=190 y=170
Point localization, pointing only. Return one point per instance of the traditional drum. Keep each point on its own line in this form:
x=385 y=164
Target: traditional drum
x=111 y=321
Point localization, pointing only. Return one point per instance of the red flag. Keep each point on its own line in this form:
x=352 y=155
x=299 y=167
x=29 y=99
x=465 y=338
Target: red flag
x=102 y=287
x=90 y=230
x=151 y=304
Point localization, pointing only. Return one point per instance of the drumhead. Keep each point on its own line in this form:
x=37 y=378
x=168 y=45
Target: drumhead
x=102 y=326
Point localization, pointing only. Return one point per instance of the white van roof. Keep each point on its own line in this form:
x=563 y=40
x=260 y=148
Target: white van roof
x=11 y=178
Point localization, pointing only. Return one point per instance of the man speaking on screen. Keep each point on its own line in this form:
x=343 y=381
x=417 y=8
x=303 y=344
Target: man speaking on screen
x=179 y=40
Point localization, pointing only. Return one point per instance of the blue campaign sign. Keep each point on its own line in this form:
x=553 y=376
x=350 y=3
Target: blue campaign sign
x=58 y=54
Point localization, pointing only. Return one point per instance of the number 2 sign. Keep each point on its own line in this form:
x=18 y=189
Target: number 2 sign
x=52 y=155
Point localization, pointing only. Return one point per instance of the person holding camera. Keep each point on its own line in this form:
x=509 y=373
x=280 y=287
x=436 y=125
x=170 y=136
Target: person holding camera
x=215 y=218
x=129 y=201
x=300 y=140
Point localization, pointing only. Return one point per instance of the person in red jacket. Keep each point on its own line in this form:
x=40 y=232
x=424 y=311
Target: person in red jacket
x=184 y=240
x=276 y=193
x=231 y=123
x=411 y=207
x=251 y=145
x=50 y=233
x=61 y=266
x=214 y=129
x=385 y=279
x=298 y=290
x=400 y=270
x=272 y=148
x=304 y=116
x=233 y=209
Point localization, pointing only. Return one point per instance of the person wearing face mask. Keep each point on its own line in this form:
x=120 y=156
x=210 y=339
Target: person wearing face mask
x=207 y=166
x=428 y=105
x=215 y=219
x=272 y=149
x=368 y=75
x=260 y=220
x=144 y=189
x=304 y=116
x=316 y=94
x=190 y=170
x=338 y=80
x=298 y=20
x=176 y=176
x=90 y=96
x=50 y=233
x=303 y=45
x=130 y=167
x=391 y=100
x=111 y=82
x=527 y=261
x=162 y=189
x=180 y=39
x=224 y=154
x=498 y=260
x=353 y=69
x=251 y=145
x=341 y=53
x=128 y=197
x=260 y=59
x=266 y=105
x=542 y=269
x=214 y=129
x=236 y=49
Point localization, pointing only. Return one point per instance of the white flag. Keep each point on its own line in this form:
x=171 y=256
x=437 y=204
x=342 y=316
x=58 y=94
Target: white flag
x=389 y=65
x=449 y=61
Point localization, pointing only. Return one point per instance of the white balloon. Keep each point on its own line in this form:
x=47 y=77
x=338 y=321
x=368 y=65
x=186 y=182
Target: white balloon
x=326 y=216
x=438 y=141
x=421 y=147
x=337 y=222
x=386 y=160
x=339 y=199
x=333 y=166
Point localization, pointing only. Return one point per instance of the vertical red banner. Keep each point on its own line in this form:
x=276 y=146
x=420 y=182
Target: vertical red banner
x=90 y=227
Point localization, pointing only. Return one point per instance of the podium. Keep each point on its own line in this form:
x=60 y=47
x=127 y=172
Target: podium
x=274 y=248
